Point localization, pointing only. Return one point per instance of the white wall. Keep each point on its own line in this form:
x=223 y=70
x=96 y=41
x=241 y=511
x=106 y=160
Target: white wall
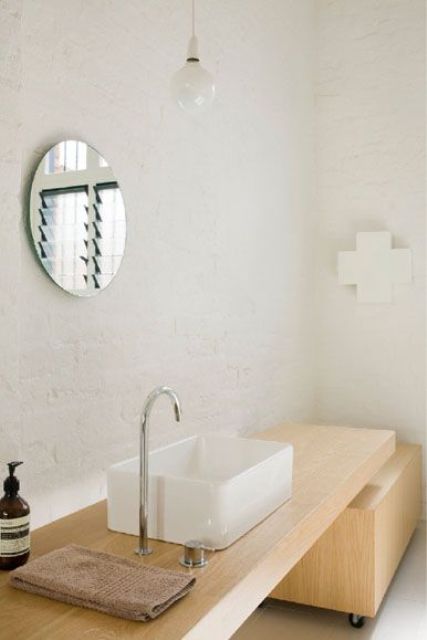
x=214 y=293
x=10 y=160
x=370 y=124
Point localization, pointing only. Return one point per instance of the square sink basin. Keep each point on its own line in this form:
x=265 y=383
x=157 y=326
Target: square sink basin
x=207 y=488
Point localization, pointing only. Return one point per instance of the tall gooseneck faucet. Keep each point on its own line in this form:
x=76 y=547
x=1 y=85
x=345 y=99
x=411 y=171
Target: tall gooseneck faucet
x=143 y=549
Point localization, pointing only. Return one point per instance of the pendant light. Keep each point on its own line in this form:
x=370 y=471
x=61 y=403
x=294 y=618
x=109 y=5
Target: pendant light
x=192 y=86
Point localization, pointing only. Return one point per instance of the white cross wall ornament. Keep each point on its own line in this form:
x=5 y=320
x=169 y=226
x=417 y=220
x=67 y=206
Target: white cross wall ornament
x=374 y=267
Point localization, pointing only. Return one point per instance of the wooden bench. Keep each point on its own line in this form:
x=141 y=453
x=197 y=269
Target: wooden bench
x=352 y=564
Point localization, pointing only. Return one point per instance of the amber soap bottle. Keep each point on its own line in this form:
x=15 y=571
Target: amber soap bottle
x=14 y=523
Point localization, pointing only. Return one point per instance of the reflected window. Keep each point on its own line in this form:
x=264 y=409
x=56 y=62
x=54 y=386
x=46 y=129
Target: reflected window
x=77 y=217
x=110 y=232
x=70 y=155
x=63 y=239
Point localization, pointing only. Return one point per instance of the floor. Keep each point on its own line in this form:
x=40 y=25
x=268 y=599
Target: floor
x=402 y=615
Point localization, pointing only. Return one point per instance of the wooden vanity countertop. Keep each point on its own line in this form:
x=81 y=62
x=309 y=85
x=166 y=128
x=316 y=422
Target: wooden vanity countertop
x=331 y=466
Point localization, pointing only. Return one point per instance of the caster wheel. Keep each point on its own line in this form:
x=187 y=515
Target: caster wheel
x=356 y=621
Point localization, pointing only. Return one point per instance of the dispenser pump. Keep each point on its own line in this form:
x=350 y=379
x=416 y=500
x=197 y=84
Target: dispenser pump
x=11 y=484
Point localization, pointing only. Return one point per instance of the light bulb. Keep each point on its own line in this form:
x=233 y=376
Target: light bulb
x=193 y=87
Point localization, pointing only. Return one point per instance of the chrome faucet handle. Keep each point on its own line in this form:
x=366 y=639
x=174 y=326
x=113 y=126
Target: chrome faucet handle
x=194 y=554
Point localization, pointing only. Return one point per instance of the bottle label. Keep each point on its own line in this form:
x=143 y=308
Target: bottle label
x=14 y=536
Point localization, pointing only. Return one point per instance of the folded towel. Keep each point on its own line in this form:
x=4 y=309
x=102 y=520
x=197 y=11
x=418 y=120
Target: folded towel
x=101 y=581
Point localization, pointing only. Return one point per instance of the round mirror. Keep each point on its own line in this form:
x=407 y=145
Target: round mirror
x=77 y=218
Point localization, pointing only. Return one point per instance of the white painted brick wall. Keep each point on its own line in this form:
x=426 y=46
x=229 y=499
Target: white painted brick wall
x=370 y=116
x=10 y=158
x=214 y=292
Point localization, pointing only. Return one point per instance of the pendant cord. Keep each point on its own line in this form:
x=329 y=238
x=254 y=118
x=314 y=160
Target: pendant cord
x=193 y=23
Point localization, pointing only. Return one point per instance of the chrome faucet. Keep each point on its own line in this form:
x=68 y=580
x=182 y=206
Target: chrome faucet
x=143 y=549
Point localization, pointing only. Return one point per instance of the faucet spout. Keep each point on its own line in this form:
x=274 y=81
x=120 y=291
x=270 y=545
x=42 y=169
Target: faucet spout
x=143 y=548
x=177 y=409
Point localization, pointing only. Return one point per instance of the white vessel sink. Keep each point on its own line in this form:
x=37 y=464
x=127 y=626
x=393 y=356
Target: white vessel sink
x=208 y=488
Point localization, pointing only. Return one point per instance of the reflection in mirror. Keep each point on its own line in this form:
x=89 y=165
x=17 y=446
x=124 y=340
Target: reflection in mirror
x=77 y=218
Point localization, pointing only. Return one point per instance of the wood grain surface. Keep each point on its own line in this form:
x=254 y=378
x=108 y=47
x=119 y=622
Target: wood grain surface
x=352 y=564
x=332 y=465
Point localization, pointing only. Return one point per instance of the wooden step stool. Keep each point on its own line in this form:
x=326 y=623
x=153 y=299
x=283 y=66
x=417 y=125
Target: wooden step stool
x=352 y=564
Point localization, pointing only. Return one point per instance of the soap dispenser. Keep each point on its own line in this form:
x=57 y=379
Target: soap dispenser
x=14 y=523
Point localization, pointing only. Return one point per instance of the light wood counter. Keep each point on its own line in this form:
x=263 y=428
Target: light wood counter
x=332 y=465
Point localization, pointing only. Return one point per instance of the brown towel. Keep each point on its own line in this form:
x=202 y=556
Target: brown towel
x=101 y=581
